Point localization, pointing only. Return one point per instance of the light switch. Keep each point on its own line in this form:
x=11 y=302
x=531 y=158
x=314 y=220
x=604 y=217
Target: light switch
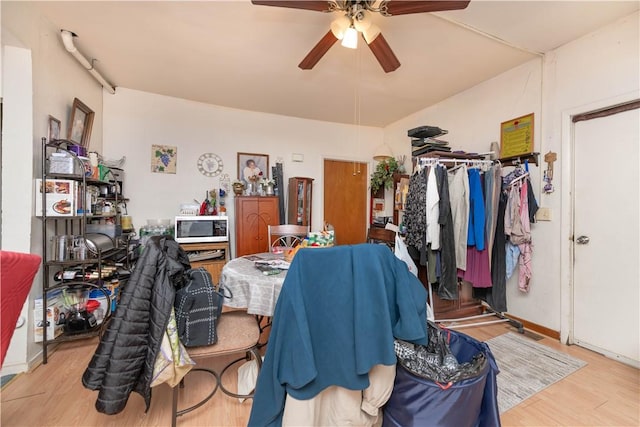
x=297 y=157
x=543 y=214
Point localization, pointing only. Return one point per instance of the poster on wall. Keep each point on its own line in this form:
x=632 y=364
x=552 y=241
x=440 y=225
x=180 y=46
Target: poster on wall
x=516 y=136
x=164 y=158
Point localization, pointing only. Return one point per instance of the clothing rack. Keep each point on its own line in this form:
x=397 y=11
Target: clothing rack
x=488 y=311
x=423 y=161
x=455 y=162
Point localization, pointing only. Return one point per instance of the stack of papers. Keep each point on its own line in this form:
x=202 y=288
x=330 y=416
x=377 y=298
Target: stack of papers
x=204 y=255
x=271 y=266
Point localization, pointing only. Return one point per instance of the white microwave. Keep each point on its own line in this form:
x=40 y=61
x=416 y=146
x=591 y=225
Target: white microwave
x=201 y=229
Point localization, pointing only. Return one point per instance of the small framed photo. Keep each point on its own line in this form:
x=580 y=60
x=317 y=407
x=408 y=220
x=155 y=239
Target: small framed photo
x=79 y=130
x=54 y=128
x=252 y=167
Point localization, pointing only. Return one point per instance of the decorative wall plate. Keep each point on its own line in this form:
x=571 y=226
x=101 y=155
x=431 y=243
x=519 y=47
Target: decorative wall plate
x=210 y=164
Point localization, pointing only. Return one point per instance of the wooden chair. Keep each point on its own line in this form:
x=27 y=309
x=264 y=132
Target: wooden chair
x=238 y=332
x=383 y=236
x=287 y=235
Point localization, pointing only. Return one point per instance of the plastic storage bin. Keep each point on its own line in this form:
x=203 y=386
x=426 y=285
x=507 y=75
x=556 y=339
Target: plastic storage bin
x=61 y=163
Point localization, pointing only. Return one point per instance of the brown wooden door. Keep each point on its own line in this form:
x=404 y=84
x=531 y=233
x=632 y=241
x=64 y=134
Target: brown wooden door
x=345 y=200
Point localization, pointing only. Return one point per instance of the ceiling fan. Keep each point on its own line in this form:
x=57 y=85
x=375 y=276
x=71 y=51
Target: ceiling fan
x=356 y=19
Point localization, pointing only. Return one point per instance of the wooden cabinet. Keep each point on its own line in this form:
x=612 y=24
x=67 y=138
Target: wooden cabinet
x=400 y=191
x=464 y=306
x=253 y=215
x=211 y=256
x=299 y=212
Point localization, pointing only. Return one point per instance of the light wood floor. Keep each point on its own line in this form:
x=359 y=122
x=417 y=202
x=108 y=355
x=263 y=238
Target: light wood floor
x=604 y=393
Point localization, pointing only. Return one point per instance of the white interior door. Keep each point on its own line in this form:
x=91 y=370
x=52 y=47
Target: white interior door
x=606 y=235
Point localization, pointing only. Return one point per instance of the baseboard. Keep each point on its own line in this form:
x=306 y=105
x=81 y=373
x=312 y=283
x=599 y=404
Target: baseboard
x=536 y=328
x=14 y=368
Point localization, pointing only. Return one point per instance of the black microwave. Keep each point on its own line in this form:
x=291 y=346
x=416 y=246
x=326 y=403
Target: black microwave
x=201 y=229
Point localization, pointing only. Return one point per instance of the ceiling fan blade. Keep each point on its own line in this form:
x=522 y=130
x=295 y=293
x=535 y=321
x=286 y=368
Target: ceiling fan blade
x=404 y=7
x=384 y=54
x=318 y=51
x=319 y=6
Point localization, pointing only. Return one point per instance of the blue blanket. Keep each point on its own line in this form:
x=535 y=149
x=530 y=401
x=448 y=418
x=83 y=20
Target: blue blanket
x=336 y=317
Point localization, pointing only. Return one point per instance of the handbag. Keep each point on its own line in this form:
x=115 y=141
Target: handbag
x=198 y=306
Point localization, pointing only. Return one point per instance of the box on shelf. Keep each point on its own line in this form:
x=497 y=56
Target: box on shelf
x=61 y=163
x=60 y=197
x=56 y=315
x=65 y=163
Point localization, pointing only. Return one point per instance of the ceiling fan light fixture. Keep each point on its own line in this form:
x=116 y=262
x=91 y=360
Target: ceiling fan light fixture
x=362 y=22
x=339 y=26
x=350 y=38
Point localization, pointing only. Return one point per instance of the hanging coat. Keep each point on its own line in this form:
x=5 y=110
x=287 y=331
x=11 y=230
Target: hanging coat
x=448 y=288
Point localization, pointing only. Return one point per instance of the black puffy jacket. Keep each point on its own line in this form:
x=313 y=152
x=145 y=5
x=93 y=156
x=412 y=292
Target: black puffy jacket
x=124 y=359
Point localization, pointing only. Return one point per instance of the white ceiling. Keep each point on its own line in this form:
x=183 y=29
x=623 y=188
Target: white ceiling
x=239 y=55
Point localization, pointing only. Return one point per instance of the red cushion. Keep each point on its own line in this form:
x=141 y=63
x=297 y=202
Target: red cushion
x=17 y=271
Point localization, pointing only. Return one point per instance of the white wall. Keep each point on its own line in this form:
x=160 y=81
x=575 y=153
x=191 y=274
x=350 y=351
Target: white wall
x=134 y=121
x=17 y=176
x=54 y=79
x=601 y=65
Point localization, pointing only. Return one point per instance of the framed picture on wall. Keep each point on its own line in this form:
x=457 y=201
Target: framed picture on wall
x=54 y=128
x=252 y=167
x=164 y=158
x=79 y=130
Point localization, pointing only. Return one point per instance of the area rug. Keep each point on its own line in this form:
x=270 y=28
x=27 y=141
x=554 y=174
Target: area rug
x=6 y=379
x=527 y=367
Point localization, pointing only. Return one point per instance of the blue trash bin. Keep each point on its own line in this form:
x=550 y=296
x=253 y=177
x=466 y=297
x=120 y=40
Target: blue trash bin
x=472 y=402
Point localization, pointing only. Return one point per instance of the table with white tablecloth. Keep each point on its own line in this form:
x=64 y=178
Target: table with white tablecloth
x=250 y=287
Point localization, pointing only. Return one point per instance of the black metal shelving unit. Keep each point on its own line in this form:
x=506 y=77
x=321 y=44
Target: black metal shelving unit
x=74 y=225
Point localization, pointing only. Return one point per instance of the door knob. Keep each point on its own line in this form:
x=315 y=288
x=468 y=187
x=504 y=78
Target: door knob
x=582 y=240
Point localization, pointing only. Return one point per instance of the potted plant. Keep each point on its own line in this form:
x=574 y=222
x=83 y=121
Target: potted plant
x=382 y=177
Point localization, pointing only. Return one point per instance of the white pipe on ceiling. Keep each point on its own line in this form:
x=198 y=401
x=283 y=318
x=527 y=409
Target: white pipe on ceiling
x=67 y=40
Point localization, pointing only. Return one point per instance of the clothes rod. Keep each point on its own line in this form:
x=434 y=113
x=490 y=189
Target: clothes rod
x=425 y=160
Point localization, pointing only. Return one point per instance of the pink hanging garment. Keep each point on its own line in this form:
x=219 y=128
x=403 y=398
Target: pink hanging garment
x=524 y=261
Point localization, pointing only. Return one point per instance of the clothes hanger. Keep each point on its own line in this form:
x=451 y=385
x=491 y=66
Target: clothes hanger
x=518 y=178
